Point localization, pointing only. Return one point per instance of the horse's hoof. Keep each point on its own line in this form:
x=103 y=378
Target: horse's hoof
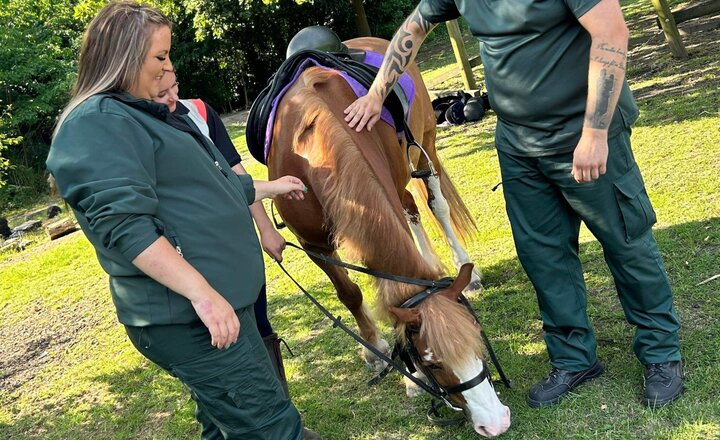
x=376 y=365
x=372 y=361
x=411 y=389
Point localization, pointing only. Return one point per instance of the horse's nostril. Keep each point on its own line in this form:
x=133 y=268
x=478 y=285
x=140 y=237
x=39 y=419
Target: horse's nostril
x=482 y=431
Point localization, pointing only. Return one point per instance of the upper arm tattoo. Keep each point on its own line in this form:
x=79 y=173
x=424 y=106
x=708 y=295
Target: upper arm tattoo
x=400 y=50
x=418 y=19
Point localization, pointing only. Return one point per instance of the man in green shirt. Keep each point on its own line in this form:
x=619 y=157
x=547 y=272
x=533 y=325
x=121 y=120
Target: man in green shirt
x=555 y=72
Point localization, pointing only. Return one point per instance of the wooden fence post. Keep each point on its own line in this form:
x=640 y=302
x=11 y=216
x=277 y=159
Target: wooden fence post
x=672 y=35
x=461 y=54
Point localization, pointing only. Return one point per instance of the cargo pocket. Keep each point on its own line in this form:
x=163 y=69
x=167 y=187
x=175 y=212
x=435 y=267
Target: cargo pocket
x=635 y=207
x=233 y=387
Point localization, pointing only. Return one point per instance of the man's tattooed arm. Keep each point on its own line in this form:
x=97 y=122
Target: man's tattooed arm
x=607 y=68
x=401 y=52
x=606 y=73
x=365 y=111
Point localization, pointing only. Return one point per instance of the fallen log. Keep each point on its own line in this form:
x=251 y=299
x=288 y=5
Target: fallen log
x=61 y=228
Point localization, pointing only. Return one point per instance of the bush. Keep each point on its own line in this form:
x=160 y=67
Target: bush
x=5 y=142
x=37 y=65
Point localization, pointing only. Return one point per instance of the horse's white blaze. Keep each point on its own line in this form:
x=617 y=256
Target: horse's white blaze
x=489 y=416
x=422 y=240
x=428 y=355
x=441 y=210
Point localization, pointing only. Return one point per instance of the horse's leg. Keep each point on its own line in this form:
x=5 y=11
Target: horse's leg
x=412 y=215
x=350 y=295
x=441 y=210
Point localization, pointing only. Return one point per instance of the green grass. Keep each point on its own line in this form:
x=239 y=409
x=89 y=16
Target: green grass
x=67 y=370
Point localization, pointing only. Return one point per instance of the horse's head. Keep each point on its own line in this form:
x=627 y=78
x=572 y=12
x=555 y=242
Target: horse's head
x=447 y=341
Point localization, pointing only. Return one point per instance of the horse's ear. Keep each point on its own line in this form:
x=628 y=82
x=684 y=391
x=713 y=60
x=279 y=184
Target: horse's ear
x=463 y=279
x=406 y=316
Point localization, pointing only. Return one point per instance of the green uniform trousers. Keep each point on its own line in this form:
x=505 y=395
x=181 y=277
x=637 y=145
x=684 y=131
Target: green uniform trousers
x=235 y=389
x=545 y=206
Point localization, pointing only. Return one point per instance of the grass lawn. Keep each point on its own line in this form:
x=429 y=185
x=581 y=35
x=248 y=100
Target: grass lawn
x=67 y=370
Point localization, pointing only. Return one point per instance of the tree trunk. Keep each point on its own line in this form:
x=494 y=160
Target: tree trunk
x=363 y=28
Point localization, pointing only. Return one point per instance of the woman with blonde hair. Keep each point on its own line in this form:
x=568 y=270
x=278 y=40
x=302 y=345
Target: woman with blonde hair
x=171 y=226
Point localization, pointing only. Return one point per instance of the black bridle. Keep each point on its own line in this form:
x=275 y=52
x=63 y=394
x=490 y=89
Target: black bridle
x=408 y=353
x=417 y=359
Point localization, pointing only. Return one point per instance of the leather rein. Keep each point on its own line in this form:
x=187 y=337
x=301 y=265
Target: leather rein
x=409 y=354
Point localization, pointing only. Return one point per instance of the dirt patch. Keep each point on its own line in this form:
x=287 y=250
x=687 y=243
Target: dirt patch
x=44 y=335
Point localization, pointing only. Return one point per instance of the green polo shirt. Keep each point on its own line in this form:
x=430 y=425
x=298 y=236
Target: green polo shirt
x=535 y=54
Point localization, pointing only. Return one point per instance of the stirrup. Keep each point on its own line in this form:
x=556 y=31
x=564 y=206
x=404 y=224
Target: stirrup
x=419 y=174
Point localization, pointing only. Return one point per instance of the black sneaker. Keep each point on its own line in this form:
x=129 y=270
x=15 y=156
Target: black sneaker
x=558 y=383
x=662 y=383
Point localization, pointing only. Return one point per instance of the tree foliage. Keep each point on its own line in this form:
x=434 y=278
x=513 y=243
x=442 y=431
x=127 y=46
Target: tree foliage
x=37 y=61
x=224 y=50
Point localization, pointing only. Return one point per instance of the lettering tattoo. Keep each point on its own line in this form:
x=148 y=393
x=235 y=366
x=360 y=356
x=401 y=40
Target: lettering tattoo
x=612 y=57
x=605 y=88
x=609 y=63
x=606 y=48
x=400 y=51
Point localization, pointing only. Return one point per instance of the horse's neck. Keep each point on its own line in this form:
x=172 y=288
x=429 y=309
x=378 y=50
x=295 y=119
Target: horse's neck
x=360 y=198
x=379 y=234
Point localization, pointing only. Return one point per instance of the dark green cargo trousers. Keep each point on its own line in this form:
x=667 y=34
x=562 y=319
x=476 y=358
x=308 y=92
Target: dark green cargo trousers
x=235 y=389
x=545 y=206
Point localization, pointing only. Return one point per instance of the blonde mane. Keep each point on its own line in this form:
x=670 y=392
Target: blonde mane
x=363 y=222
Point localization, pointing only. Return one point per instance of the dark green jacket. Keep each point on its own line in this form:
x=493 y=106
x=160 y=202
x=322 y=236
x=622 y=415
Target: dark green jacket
x=131 y=171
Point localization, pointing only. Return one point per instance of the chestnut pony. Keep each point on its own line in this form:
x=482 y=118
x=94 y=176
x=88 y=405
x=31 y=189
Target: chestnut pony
x=357 y=201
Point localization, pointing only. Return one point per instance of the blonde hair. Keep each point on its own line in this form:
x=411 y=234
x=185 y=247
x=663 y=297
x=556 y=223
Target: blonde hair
x=113 y=50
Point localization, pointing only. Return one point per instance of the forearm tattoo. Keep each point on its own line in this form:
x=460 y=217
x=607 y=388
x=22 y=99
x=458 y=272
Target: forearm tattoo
x=400 y=51
x=606 y=89
x=611 y=52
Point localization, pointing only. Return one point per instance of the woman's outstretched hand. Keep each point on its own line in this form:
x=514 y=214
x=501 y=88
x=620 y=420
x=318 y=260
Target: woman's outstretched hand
x=289 y=187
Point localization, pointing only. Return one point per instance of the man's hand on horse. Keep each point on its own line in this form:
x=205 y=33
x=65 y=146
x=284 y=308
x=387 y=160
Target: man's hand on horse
x=364 y=111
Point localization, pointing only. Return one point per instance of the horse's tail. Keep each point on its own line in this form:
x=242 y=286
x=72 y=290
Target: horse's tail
x=460 y=218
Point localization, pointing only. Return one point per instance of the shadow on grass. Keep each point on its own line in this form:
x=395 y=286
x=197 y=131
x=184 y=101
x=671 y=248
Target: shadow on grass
x=137 y=403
